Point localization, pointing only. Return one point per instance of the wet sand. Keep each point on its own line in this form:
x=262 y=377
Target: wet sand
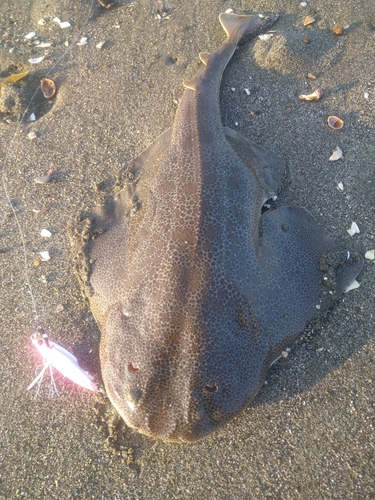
x=309 y=434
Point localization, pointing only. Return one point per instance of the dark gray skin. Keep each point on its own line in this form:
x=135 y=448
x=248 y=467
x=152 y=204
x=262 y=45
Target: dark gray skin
x=195 y=291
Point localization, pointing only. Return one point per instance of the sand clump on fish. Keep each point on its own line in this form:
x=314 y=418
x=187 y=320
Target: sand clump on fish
x=195 y=290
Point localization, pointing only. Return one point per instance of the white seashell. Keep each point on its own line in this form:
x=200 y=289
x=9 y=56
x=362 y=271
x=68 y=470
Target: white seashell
x=366 y=95
x=56 y=20
x=41 y=22
x=370 y=255
x=353 y=285
x=32 y=117
x=36 y=60
x=44 y=45
x=340 y=186
x=336 y=155
x=99 y=45
x=65 y=24
x=36 y=42
x=31 y=135
x=44 y=255
x=45 y=233
x=265 y=36
x=228 y=11
x=354 y=229
x=30 y=35
x=303 y=4
x=247 y=91
x=83 y=41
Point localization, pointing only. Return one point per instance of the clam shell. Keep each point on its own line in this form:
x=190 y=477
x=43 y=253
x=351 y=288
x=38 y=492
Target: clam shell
x=335 y=122
x=48 y=88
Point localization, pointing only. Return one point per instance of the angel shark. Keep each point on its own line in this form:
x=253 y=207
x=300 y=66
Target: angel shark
x=195 y=290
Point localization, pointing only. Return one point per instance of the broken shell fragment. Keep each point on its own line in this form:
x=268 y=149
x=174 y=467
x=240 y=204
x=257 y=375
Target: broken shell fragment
x=353 y=229
x=370 y=255
x=44 y=179
x=36 y=60
x=315 y=96
x=337 y=30
x=48 y=87
x=45 y=233
x=308 y=20
x=336 y=155
x=340 y=186
x=44 y=256
x=353 y=285
x=335 y=122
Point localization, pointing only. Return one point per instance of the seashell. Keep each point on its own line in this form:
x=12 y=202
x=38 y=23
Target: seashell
x=31 y=135
x=335 y=122
x=44 y=179
x=353 y=229
x=36 y=60
x=336 y=155
x=45 y=233
x=370 y=255
x=48 y=88
x=30 y=35
x=315 y=96
x=308 y=20
x=337 y=30
x=340 y=186
x=353 y=285
x=44 y=256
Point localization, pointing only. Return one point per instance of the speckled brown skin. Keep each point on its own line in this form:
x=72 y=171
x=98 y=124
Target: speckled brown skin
x=195 y=291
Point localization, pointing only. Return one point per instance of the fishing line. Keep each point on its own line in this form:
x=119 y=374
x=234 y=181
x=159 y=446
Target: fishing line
x=4 y=184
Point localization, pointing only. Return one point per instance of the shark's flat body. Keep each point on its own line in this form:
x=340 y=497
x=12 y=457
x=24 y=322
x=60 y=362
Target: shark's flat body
x=195 y=291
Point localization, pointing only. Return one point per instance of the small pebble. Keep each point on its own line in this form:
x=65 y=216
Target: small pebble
x=340 y=186
x=32 y=117
x=303 y=4
x=59 y=308
x=30 y=35
x=366 y=95
x=41 y=22
x=31 y=135
x=247 y=91
x=99 y=45
x=45 y=233
x=370 y=255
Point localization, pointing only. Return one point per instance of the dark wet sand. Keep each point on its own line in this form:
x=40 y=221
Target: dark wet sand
x=310 y=432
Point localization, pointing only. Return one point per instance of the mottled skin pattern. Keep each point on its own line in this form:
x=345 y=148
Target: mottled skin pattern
x=195 y=291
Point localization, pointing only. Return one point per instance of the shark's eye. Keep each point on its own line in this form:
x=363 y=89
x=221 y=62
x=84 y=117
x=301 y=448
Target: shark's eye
x=132 y=368
x=212 y=387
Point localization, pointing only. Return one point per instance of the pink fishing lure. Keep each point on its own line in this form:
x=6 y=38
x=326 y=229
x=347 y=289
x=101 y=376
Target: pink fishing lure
x=62 y=360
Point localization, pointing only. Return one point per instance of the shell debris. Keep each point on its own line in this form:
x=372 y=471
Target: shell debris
x=308 y=20
x=36 y=60
x=45 y=233
x=336 y=155
x=337 y=30
x=353 y=285
x=340 y=186
x=48 y=87
x=31 y=135
x=354 y=229
x=44 y=255
x=370 y=254
x=335 y=122
x=315 y=96
x=30 y=35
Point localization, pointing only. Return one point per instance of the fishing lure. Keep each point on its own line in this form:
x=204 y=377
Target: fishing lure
x=56 y=356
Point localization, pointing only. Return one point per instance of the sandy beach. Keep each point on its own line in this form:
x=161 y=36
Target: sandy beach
x=309 y=434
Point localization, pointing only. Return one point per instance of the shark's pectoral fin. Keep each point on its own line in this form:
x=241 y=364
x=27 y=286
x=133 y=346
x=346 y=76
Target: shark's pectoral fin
x=268 y=167
x=305 y=271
